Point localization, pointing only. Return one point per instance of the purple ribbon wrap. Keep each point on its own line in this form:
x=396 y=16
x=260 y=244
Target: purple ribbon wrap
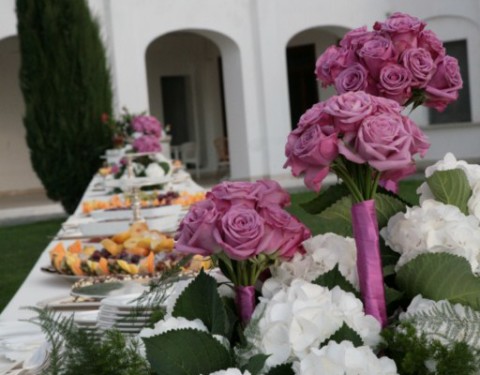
x=245 y=302
x=369 y=262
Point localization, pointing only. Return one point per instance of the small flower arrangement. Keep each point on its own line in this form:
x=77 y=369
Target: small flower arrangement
x=142 y=132
x=398 y=60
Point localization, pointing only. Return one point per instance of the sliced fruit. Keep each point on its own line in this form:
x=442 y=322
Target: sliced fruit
x=102 y=267
x=75 y=264
x=141 y=251
x=121 y=237
x=111 y=246
x=130 y=268
x=75 y=247
x=89 y=250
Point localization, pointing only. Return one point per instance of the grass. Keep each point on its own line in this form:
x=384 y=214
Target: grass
x=21 y=245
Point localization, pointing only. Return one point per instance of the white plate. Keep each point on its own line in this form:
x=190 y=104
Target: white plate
x=125 y=302
x=127 y=183
x=127 y=214
x=86 y=317
x=68 y=303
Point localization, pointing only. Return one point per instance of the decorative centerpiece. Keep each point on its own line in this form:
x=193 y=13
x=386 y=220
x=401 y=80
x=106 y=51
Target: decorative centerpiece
x=345 y=301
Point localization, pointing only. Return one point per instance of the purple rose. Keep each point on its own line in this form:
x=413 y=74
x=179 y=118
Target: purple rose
x=240 y=232
x=444 y=86
x=386 y=105
x=147 y=143
x=229 y=193
x=395 y=83
x=356 y=38
x=419 y=63
x=382 y=141
x=420 y=143
x=284 y=234
x=354 y=78
x=310 y=150
x=402 y=29
x=349 y=109
x=429 y=41
x=332 y=62
x=270 y=192
x=147 y=125
x=377 y=52
x=315 y=115
x=195 y=234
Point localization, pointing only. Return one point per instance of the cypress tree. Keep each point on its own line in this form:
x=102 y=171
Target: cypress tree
x=66 y=87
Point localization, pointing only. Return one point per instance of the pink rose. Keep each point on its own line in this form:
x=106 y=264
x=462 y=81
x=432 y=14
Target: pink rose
x=356 y=38
x=332 y=62
x=420 y=143
x=229 y=193
x=148 y=125
x=349 y=109
x=284 y=233
x=382 y=141
x=386 y=105
x=195 y=234
x=429 y=41
x=395 y=175
x=419 y=63
x=147 y=143
x=377 y=52
x=353 y=78
x=394 y=83
x=240 y=232
x=402 y=29
x=310 y=150
x=270 y=192
x=315 y=115
x=444 y=86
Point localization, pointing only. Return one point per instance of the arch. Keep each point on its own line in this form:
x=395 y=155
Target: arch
x=12 y=133
x=208 y=65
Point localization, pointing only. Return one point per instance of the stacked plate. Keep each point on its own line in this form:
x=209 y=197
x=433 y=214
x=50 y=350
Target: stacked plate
x=124 y=313
x=86 y=320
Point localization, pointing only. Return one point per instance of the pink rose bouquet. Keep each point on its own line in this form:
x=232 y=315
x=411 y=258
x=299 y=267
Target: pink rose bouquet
x=147 y=125
x=398 y=60
x=243 y=226
x=362 y=139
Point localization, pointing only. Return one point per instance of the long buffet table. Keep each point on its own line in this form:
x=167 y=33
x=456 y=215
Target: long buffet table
x=40 y=286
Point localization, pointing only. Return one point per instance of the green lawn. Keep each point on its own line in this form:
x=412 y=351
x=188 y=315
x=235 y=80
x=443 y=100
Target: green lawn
x=21 y=245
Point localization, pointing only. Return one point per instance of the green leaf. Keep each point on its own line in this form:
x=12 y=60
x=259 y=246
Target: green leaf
x=334 y=278
x=256 y=364
x=325 y=199
x=200 y=300
x=451 y=187
x=392 y=295
x=387 y=206
x=285 y=369
x=346 y=333
x=440 y=276
x=337 y=218
x=186 y=352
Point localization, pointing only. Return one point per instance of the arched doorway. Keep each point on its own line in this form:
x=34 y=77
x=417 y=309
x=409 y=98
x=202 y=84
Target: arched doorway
x=14 y=155
x=190 y=78
x=302 y=51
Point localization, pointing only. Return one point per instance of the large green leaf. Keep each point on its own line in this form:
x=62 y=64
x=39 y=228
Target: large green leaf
x=186 y=352
x=200 y=300
x=440 y=276
x=335 y=278
x=337 y=218
x=256 y=363
x=451 y=187
x=325 y=199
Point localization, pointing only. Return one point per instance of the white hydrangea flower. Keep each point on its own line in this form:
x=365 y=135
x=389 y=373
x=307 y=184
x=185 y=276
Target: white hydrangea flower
x=172 y=323
x=301 y=316
x=434 y=227
x=230 y=371
x=344 y=359
x=323 y=253
x=474 y=201
x=472 y=171
x=154 y=170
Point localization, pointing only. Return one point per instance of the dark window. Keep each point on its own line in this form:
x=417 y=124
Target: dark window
x=175 y=107
x=302 y=84
x=458 y=111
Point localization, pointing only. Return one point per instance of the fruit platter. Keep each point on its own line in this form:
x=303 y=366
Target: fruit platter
x=137 y=251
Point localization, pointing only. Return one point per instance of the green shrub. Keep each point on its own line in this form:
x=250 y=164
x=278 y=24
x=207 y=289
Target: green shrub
x=66 y=87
